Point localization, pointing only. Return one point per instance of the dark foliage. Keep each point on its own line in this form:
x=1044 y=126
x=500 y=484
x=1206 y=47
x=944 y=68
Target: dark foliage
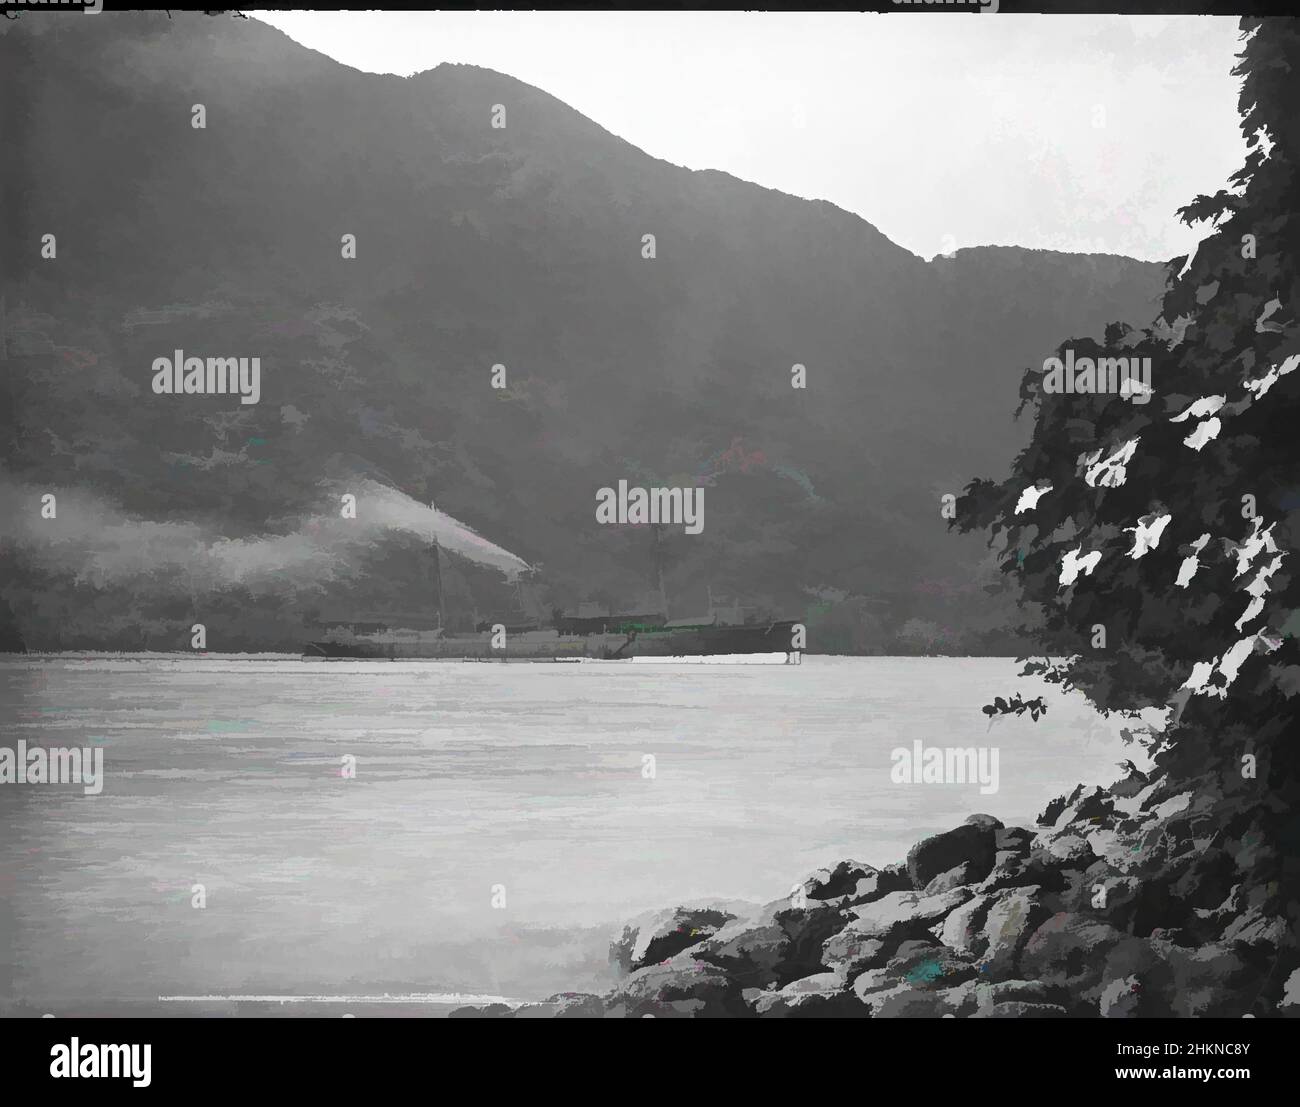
x=1199 y=618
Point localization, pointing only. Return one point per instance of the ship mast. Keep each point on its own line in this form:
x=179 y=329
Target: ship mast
x=659 y=569
x=437 y=574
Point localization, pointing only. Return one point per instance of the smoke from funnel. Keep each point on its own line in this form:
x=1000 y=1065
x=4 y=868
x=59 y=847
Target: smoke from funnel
x=96 y=543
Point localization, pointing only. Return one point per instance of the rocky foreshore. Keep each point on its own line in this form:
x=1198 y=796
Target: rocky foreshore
x=1136 y=901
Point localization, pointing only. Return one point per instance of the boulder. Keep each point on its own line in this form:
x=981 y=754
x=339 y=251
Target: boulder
x=1014 y=838
x=1289 y=1005
x=1068 y=949
x=963 y=845
x=985 y=821
x=1023 y=991
x=665 y=935
x=578 y=1005
x=904 y=914
x=1007 y=868
x=823 y=995
x=1012 y=917
x=1021 y=870
x=1018 y=1010
x=1210 y=982
x=896 y=873
x=679 y=988
x=1206 y=880
x=953 y=878
x=1069 y=850
x=1114 y=845
x=850 y=882
x=1255 y=928
x=873 y=980
x=916 y=966
x=929 y=967
x=905 y=1001
x=1132 y=904
x=849 y=953
x=1122 y=998
x=963 y=929
x=488 y=1011
x=781 y=945
x=1138 y=961
x=755 y=956
x=564 y=1005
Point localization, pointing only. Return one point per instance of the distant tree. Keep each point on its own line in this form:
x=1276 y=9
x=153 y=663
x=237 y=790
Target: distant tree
x=922 y=635
x=1168 y=525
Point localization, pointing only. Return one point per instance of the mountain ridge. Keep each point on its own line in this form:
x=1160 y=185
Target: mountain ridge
x=520 y=247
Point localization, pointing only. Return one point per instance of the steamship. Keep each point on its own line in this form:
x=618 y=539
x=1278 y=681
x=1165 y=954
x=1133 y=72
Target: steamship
x=589 y=634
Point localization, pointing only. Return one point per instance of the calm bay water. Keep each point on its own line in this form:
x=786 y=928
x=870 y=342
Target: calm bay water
x=227 y=772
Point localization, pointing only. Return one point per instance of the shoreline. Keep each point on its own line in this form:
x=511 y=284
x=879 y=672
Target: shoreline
x=1143 y=899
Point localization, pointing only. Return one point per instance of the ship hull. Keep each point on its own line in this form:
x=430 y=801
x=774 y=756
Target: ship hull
x=703 y=641
x=468 y=648
x=698 y=641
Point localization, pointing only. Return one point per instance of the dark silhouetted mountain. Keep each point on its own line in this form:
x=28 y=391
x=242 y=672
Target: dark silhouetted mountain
x=478 y=246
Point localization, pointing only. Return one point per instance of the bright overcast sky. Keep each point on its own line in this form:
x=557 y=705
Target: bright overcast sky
x=1061 y=132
